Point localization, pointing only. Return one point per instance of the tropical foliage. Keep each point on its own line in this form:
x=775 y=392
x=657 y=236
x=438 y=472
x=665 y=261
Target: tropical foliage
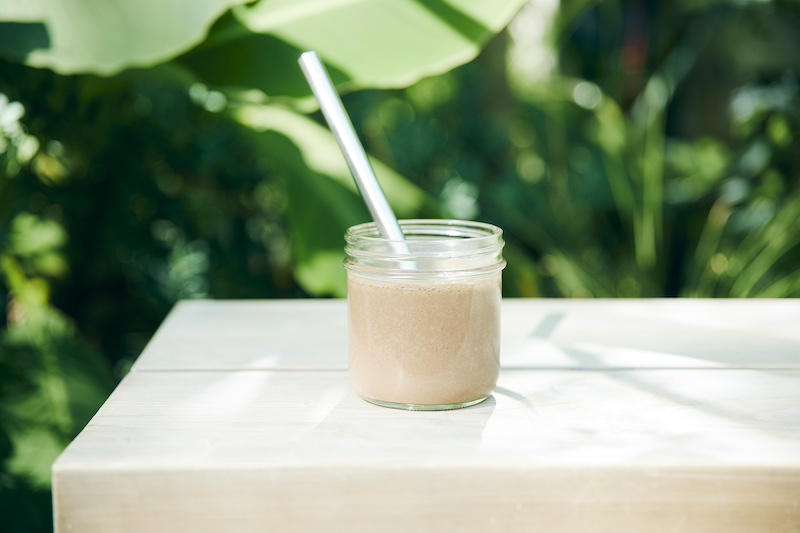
x=160 y=151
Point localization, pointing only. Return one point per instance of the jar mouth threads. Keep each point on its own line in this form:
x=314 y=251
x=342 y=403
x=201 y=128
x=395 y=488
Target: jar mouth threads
x=432 y=248
x=445 y=228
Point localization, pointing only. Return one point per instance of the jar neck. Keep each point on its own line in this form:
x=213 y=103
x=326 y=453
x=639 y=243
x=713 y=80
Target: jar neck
x=432 y=249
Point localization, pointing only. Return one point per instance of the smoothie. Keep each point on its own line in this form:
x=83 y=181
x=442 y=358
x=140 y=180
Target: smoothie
x=433 y=342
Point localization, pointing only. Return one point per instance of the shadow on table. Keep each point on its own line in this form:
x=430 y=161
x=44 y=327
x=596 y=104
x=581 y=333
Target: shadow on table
x=630 y=337
x=683 y=376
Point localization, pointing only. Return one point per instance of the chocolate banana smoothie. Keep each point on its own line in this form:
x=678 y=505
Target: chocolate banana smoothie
x=424 y=343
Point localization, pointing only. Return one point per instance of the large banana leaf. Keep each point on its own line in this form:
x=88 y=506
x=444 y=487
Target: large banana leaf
x=73 y=36
x=365 y=43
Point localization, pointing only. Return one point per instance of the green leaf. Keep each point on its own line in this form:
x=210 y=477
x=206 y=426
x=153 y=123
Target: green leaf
x=320 y=210
x=694 y=168
x=31 y=235
x=75 y=36
x=323 y=199
x=322 y=155
x=364 y=43
x=66 y=382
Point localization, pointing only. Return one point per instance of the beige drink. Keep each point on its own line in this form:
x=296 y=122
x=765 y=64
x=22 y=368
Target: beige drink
x=424 y=313
x=432 y=342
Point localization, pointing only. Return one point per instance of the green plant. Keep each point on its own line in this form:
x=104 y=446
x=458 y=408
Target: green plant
x=627 y=149
x=638 y=152
x=164 y=151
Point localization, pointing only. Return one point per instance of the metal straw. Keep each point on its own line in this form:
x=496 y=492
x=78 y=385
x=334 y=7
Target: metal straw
x=345 y=134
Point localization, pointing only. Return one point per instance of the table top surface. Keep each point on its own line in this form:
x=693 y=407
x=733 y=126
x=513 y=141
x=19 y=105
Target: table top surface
x=666 y=386
x=536 y=334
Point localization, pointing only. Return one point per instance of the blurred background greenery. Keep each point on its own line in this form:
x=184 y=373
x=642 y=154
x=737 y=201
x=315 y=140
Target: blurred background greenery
x=627 y=148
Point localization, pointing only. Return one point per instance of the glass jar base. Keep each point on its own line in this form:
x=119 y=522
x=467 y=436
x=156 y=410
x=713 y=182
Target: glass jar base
x=425 y=407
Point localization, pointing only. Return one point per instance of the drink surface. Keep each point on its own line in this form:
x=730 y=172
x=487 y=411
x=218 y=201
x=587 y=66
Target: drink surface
x=424 y=342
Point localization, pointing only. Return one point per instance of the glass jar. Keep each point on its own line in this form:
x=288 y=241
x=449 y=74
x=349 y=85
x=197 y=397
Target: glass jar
x=424 y=313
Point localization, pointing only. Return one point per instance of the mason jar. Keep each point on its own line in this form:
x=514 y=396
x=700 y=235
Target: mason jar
x=424 y=313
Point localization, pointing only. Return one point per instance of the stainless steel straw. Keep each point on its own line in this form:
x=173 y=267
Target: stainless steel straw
x=342 y=128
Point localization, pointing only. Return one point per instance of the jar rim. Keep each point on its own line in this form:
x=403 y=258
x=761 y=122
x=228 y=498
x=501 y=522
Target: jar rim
x=434 y=248
x=368 y=231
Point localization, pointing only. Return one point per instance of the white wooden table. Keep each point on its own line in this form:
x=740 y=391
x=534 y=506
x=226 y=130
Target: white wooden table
x=618 y=416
